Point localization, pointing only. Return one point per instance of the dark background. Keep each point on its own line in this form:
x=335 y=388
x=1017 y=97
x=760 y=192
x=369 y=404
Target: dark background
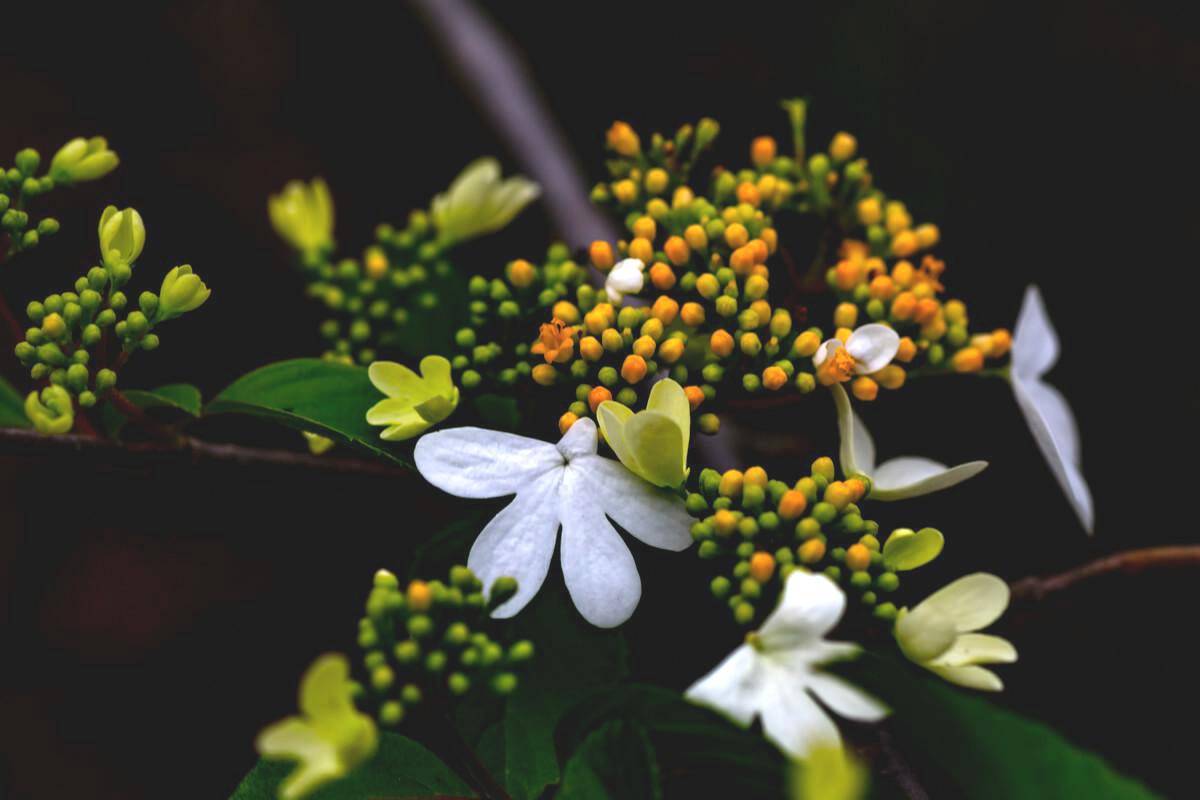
x=153 y=619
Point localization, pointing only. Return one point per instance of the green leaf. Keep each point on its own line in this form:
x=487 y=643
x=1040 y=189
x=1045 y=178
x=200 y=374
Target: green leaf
x=617 y=761
x=572 y=659
x=689 y=741
x=312 y=395
x=401 y=768
x=12 y=408
x=181 y=398
x=499 y=412
x=978 y=749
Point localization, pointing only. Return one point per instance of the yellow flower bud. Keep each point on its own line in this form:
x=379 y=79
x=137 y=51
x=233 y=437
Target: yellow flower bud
x=657 y=180
x=625 y=191
x=843 y=147
x=612 y=340
x=645 y=227
x=707 y=286
x=567 y=311
x=692 y=314
x=376 y=263
x=671 y=350
x=683 y=197
x=891 y=377
x=566 y=421
x=520 y=273
x=969 y=359
x=642 y=250
x=644 y=346
x=806 y=344
x=811 y=551
x=695 y=237
x=869 y=212
x=731 y=484
x=623 y=140
x=665 y=309
x=544 y=375
x=845 y=315
x=736 y=235
x=590 y=348
x=927 y=235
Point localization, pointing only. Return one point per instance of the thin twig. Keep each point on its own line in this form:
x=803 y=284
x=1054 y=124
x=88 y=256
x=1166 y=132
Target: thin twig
x=188 y=449
x=491 y=70
x=1130 y=562
x=897 y=768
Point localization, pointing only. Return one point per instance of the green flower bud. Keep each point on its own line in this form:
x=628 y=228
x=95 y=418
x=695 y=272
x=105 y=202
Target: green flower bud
x=82 y=160
x=407 y=652
x=181 y=291
x=435 y=661
x=27 y=161
x=122 y=236
x=411 y=694
x=504 y=683
x=77 y=377
x=391 y=713
x=502 y=589
x=87 y=399
x=25 y=352
x=48 y=226
x=52 y=411
x=50 y=353
x=520 y=651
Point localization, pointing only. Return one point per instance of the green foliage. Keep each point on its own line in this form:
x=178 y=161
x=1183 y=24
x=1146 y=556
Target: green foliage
x=178 y=399
x=573 y=658
x=980 y=750
x=12 y=407
x=309 y=394
x=617 y=760
x=402 y=768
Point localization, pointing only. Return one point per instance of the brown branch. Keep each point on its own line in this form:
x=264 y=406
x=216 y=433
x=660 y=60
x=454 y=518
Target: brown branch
x=186 y=450
x=896 y=767
x=1130 y=562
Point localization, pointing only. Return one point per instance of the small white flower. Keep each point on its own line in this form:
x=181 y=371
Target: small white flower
x=1034 y=351
x=868 y=349
x=565 y=484
x=898 y=478
x=939 y=634
x=773 y=674
x=627 y=277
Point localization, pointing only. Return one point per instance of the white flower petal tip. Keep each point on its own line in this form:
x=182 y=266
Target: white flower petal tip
x=1035 y=350
x=479 y=202
x=564 y=484
x=940 y=632
x=627 y=277
x=775 y=675
x=898 y=478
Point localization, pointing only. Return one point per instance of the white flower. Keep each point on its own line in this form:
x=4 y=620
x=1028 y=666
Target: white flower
x=906 y=476
x=1034 y=351
x=627 y=277
x=565 y=484
x=868 y=349
x=939 y=634
x=772 y=675
x=479 y=202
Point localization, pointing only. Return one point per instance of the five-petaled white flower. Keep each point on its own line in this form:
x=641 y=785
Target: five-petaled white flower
x=772 y=674
x=940 y=632
x=897 y=478
x=1034 y=351
x=565 y=484
x=868 y=349
x=627 y=277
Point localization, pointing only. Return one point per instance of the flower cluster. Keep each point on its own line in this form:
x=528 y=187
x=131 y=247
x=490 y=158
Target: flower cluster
x=373 y=298
x=432 y=638
x=69 y=342
x=77 y=161
x=760 y=531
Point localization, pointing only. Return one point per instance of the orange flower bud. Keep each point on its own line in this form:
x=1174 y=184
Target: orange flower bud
x=882 y=287
x=857 y=489
x=622 y=139
x=904 y=306
x=1001 y=342
x=566 y=421
x=597 y=396
x=762 y=151
x=748 y=193
x=811 y=551
x=590 y=348
x=736 y=235
x=770 y=238
x=662 y=276
x=774 y=378
x=864 y=388
x=843 y=147
x=645 y=228
x=904 y=244
x=520 y=273
x=762 y=566
x=721 y=342
x=645 y=346
x=969 y=359
x=419 y=596
x=692 y=314
x=665 y=309
x=677 y=250
x=642 y=250
x=601 y=255
x=565 y=310
x=695 y=237
x=907 y=350
x=741 y=260
x=633 y=369
x=792 y=505
x=927 y=310
x=671 y=350
x=858 y=557
x=695 y=396
x=755 y=476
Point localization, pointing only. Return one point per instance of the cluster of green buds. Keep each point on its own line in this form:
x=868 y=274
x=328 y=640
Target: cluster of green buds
x=430 y=640
x=68 y=343
x=494 y=348
x=370 y=297
x=759 y=530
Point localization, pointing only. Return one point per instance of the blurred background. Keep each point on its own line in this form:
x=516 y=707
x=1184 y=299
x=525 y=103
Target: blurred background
x=153 y=618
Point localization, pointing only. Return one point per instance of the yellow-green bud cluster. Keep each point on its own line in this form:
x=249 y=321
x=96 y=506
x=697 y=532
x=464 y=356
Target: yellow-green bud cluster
x=374 y=297
x=67 y=328
x=493 y=349
x=20 y=184
x=433 y=641
x=757 y=531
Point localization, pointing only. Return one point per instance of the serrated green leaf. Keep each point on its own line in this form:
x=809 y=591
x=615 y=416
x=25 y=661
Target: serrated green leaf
x=974 y=748
x=401 y=768
x=12 y=407
x=312 y=395
x=615 y=761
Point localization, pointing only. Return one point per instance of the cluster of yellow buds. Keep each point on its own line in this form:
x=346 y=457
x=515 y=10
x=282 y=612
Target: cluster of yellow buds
x=934 y=331
x=759 y=530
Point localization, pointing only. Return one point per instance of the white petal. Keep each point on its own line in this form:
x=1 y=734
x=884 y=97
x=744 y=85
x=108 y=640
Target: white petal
x=792 y=719
x=1056 y=452
x=971 y=677
x=972 y=602
x=656 y=516
x=519 y=542
x=579 y=440
x=811 y=605
x=733 y=687
x=873 y=347
x=857 y=452
x=912 y=476
x=474 y=462
x=1056 y=413
x=845 y=700
x=1035 y=344
x=597 y=566
x=976 y=648
x=825 y=350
